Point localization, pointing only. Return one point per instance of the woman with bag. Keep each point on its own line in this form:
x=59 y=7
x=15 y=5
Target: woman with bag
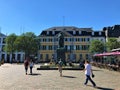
x=88 y=73
x=26 y=64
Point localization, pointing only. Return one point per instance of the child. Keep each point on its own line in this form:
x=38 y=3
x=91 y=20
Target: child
x=60 y=63
x=31 y=66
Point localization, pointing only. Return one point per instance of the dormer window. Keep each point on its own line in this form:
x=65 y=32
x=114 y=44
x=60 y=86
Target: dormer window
x=54 y=29
x=47 y=32
x=64 y=29
x=79 y=32
x=53 y=32
x=74 y=32
x=99 y=33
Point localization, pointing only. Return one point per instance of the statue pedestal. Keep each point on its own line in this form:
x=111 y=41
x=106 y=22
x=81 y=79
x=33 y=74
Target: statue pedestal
x=61 y=55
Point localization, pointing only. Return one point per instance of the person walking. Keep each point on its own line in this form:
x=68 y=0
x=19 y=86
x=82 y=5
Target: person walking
x=26 y=64
x=60 y=63
x=31 y=66
x=88 y=73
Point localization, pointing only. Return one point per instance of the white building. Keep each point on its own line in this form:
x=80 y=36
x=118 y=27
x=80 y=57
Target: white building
x=17 y=56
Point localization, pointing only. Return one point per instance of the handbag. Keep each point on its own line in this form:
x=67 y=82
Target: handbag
x=93 y=75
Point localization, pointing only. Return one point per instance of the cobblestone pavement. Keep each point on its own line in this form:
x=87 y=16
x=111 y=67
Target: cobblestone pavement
x=12 y=77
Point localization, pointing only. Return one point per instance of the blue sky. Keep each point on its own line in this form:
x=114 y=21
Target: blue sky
x=18 y=16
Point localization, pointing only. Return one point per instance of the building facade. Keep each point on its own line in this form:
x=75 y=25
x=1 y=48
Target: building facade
x=76 y=42
x=16 y=57
x=112 y=31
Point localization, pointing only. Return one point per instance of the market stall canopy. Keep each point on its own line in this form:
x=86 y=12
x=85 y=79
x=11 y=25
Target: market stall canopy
x=107 y=54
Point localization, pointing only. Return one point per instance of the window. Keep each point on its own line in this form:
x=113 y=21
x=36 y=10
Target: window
x=77 y=47
x=3 y=40
x=65 y=39
x=47 y=32
x=44 y=39
x=85 y=47
x=53 y=32
x=82 y=39
x=74 y=57
x=50 y=47
x=41 y=39
x=47 y=57
x=51 y=39
x=71 y=47
x=79 y=32
x=100 y=33
x=74 y=47
x=80 y=56
x=68 y=57
x=55 y=47
x=87 y=56
x=39 y=47
x=3 y=47
x=56 y=39
x=41 y=56
x=74 y=39
x=0 y=40
x=47 y=40
x=88 y=39
x=44 y=47
x=69 y=39
x=74 y=32
x=68 y=47
x=80 y=47
x=0 y=47
x=101 y=39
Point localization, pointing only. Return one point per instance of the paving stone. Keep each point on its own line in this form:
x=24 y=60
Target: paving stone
x=12 y=77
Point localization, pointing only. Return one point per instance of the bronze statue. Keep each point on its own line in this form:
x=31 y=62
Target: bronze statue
x=61 y=40
x=61 y=49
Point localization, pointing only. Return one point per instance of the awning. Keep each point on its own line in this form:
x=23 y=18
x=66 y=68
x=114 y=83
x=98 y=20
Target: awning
x=108 y=54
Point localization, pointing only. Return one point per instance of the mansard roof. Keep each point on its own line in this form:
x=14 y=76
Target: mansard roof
x=70 y=31
x=96 y=34
x=68 y=28
x=112 y=31
x=2 y=35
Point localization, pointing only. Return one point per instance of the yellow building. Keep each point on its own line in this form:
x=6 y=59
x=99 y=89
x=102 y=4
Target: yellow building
x=76 y=42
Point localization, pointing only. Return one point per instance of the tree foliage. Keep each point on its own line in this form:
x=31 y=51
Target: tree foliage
x=112 y=44
x=27 y=43
x=10 y=43
x=96 y=46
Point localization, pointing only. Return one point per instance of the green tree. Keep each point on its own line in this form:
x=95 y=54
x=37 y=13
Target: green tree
x=96 y=47
x=27 y=43
x=112 y=44
x=10 y=43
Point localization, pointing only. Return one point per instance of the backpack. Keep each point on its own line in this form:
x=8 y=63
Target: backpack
x=60 y=63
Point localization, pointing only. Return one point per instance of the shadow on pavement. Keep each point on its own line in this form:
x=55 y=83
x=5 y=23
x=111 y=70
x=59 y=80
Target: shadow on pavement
x=101 y=88
x=97 y=70
x=34 y=74
x=69 y=76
